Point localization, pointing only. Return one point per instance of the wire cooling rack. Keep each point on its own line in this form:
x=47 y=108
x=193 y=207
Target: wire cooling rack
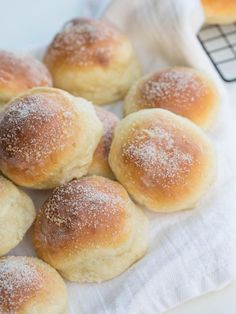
x=219 y=42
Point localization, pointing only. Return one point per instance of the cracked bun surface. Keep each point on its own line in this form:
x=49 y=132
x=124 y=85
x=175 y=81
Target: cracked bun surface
x=91 y=59
x=184 y=91
x=47 y=137
x=90 y=230
x=164 y=161
x=28 y=285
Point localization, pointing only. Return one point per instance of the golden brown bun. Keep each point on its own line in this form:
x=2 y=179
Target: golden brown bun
x=100 y=165
x=17 y=213
x=219 y=11
x=184 y=91
x=28 y=285
x=93 y=60
x=20 y=73
x=47 y=137
x=90 y=230
x=163 y=160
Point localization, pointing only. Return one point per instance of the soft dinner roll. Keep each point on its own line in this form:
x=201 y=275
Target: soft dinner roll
x=100 y=165
x=91 y=59
x=90 y=230
x=30 y=286
x=163 y=160
x=17 y=213
x=19 y=73
x=184 y=91
x=47 y=137
x=219 y=11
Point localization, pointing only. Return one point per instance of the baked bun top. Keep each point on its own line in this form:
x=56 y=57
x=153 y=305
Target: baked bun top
x=161 y=157
x=26 y=282
x=83 y=214
x=19 y=280
x=184 y=91
x=19 y=73
x=38 y=131
x=220 y=11
x=84 y=42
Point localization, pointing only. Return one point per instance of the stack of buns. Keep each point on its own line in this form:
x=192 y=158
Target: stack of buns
x=53 y=136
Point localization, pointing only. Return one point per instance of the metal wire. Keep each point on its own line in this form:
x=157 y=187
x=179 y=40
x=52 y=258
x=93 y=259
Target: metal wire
x=219 y=42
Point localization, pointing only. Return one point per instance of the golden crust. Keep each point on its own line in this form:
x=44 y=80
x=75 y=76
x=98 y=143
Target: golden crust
x=90 y=230
x=165 y=162
x=39 y=134
x=184 y=91
x=20 y=73
x=100 y=165
x=93 y=60
x=83 y=43
x=27 y=284
x=84 y=213
x=220 y=11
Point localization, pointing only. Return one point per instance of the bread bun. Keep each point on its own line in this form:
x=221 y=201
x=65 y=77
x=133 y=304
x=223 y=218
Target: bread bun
x=20 y=73
x=28 y=285
x=184 y=91
x=17 y=213
x=163 y=160
x=47 y=137
x=219 y=11
x=90 y=230
x=100 y=165
x=93 y=60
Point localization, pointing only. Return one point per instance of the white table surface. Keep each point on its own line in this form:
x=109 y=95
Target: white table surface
x=28 y=23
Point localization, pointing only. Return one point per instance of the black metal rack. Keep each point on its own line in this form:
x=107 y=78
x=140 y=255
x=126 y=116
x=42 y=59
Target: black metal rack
x=219 y=42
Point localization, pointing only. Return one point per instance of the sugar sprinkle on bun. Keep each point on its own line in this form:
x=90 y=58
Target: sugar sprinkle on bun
x=28 y=285
x=90 y=230
x=184 y=91
x=47 y=137
x=18 y=73
x=91 y=59
x=163 y=160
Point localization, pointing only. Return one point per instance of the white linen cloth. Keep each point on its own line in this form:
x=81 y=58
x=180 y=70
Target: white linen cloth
x=191 y=252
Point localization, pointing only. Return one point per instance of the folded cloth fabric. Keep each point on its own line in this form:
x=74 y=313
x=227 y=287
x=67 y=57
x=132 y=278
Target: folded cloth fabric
x=192 y=252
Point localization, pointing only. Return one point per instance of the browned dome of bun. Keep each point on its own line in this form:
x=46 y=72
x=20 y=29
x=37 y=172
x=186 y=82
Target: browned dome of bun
x=163 y=160
x=70 y=219
x=44 y=136
x=28 y=285
x=184 y=91
x=219 y=11
x=100 y=165
x=19 y=73
x=83 y=42
x=90 y=230
x=91 y=59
